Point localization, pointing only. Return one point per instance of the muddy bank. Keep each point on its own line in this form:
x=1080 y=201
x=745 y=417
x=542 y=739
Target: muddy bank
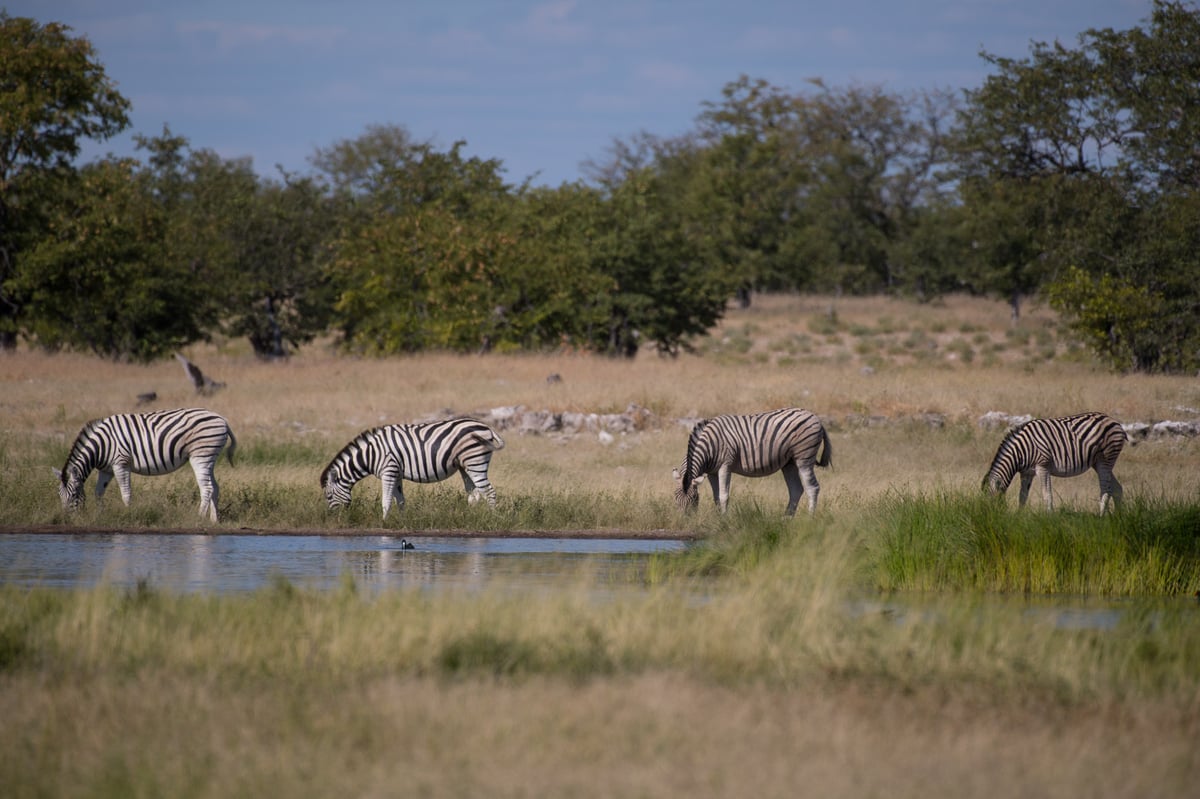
x=602 y=534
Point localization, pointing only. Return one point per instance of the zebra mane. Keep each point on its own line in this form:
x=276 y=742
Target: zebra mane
x=343 y=455
x=84 y=462
x=1002 y=450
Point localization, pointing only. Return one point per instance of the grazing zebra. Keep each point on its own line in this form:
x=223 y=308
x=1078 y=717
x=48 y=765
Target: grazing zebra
x=423 y=453
x=147 y=443
x=755 y=446
x=1063 y=447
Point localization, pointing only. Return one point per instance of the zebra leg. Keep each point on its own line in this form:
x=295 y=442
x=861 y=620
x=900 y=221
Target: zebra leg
x=715 y=484
x=479 y=488
x=103 y=477
x=1026 y=482
x=390 y=490
x=723 y=476
x=791 y=475
x=809 y=477
x=1110 y=488
x=203 y=469
x=122 y=473
x=1043 y=475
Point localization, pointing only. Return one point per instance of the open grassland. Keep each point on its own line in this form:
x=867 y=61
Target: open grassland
x=291 y=417
x=767 y=678
x=906 y=641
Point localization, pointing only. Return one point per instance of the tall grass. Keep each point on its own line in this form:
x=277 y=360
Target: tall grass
x=1150 y=547
x=112 y=692
x=896 y=643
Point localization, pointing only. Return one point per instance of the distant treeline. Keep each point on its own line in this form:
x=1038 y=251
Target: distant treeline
x=1072 y=174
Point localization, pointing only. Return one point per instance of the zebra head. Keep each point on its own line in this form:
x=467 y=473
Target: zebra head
x=1005 y=464
x=351 y=464
x=687 y=492
x=687 y=499
x=82 y=458
x=337 y=491
x=70 y=487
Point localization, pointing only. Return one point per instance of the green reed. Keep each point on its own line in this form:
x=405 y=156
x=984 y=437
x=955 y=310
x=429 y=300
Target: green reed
x=1148 y=547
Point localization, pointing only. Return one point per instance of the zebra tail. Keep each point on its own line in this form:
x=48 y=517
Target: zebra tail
x=826 y=458
x=492 y=439
x=229 y=450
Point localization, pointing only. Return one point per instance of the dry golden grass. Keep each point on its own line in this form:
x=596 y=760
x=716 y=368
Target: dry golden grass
x=770 y=689
x=316 y=401
x=651 y=735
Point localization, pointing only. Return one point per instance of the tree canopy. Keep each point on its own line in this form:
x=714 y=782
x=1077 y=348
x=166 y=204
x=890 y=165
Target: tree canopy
x=1071 y=174
x=53 y=92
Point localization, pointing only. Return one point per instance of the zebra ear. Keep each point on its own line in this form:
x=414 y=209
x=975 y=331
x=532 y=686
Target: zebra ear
x=57 y=473
x=675 y=474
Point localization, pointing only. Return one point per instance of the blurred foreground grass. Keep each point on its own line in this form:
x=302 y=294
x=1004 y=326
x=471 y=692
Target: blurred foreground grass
x=758 y=660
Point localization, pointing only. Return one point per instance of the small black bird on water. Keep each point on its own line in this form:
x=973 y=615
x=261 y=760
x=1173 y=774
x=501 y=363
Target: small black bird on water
x=406 y=544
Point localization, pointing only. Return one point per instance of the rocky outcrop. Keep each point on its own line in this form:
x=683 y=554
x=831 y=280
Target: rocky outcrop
x=543 y=422
x=1137 y=431
x=636 y=419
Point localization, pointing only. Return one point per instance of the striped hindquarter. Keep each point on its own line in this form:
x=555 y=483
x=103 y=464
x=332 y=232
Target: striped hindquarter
x=149 y=444
x=1062 y=447
x=791 y=440
x=421 y=453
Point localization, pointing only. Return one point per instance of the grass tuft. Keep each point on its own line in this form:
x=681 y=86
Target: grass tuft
x=975 y=543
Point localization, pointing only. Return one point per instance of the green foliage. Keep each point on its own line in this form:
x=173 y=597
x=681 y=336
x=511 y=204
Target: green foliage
x=953 y=543
x=53 y=93
x=819 y=190
x=430 y=273
x=99 y=280
x=1081 y=162
x=462 y=261
x=1071 y=172
x=1116 y=319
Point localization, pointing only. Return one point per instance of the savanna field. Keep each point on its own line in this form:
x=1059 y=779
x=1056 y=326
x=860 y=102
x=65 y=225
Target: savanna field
x=895 y=643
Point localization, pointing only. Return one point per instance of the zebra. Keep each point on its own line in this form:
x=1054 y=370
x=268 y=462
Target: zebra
x=150 y=444
x=756 y=445
x=1062 y=447
x=423 y=453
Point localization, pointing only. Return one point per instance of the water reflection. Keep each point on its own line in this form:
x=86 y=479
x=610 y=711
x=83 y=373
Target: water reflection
x=235 y=563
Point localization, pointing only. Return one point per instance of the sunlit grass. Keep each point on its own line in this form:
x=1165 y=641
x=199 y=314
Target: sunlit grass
x=954 y=543
x=908 y=638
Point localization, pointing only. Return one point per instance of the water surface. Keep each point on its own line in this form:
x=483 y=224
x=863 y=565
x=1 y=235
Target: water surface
x=237 y=563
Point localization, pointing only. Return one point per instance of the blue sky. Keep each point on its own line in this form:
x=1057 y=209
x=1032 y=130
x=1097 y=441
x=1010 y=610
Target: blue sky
x=541 y=85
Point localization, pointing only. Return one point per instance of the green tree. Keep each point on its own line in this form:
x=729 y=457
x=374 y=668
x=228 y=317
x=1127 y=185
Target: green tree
x=53 y=92
x=747 y=182
x=818 y=189
x=665 y=289
x=550 y=294
x=280 y=292
x=98 y=280
x=417 y=271
x=1079 y=169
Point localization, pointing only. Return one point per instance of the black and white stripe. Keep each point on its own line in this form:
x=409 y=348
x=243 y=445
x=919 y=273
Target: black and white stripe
x=789 y=439
x=150 y=444
x=1063 y=447
x=422 y=453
